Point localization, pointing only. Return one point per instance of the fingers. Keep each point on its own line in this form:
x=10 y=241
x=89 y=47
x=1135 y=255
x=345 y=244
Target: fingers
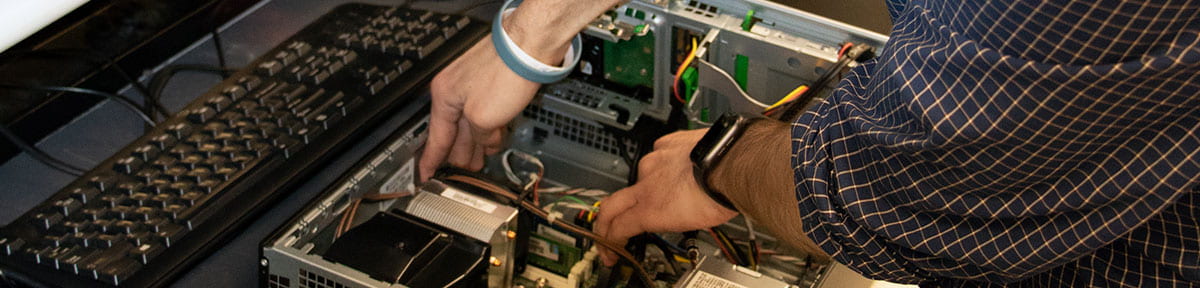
x=612 y=207
x=463 y=151
x=476 y=159
x=490 y=141
x=443 y=131
x=628 y=224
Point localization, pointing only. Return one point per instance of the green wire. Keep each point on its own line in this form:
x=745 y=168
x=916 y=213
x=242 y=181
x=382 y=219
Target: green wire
x=572 y=198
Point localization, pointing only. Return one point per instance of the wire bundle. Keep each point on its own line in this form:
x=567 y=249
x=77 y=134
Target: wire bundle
x=748 y=257
x=537 y=211
x=848 y=53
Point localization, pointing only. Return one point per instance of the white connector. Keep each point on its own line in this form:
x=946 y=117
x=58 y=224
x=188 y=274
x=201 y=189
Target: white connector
x=583 y=269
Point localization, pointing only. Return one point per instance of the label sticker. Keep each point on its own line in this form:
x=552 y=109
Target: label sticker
x=401 y=181
x=542 y=248
x=470 y=200
x=585 y=67
x=706 y=280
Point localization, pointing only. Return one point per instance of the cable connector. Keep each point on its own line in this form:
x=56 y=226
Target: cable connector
x=554 y=216
x=861 y=52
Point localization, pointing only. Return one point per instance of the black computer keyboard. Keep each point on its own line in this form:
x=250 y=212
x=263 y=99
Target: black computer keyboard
x=169 y=198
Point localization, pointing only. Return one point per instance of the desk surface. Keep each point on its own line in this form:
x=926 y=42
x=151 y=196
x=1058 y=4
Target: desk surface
x=94 y=136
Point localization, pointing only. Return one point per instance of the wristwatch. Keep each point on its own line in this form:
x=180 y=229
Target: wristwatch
x=713 y=146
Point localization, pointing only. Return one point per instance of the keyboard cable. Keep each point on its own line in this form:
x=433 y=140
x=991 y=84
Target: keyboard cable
x=39 y=155
x=46 y=158
x=120 y=99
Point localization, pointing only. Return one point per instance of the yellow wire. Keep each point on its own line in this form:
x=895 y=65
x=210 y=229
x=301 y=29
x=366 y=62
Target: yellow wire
x=791 y=96
x=592 y=214
x=686 y=62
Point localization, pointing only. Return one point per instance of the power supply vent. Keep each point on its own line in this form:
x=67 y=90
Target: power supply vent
x=276 y=281
x=579 y=94
x=316 y=280
x=701 y=9
x=589 y=134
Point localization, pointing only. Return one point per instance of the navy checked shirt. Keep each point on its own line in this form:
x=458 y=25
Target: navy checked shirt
x=1028 y=143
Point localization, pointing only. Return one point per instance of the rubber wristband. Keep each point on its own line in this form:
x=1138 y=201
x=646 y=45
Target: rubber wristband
x=524 y=65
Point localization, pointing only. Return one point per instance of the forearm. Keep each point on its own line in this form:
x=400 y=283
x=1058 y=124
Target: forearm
x=544 y=28
x=756 y=175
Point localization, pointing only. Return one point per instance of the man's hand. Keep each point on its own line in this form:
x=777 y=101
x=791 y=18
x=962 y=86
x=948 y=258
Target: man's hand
x=473 y=99
x=756 y=175
x=477 y=95
x=667 y=199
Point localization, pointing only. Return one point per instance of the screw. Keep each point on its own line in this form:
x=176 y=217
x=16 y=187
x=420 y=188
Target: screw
x=263 y=262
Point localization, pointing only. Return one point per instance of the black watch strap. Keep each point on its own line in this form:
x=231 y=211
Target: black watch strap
x=702 y=178
x=712 y=148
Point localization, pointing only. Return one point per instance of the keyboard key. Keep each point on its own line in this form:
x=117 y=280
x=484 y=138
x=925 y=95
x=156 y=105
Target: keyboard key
x=170 y=233
x=200 y=115
x=219 y=102
x=102 y=181
x=110 y=241
x=146 y=152
x=299 y=48
x=147 y=251
x=113 y=200
x=165 y=162
x=285 y=57
x=94 y=213
x=117 y=270
x=84 y=194
x=164 y=141
x=45 y=221
x=71 y=261
x=249 y=83
x=10 y=245
x=128 y=165
x=179 y=130
x=147 y=175
x=128 y=188
x=67 y=206
x=234 y=92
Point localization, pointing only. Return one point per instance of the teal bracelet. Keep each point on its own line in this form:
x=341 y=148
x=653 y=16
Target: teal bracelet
x=524 y=65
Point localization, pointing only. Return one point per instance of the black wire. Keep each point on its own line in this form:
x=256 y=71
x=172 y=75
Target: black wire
x=151 y=104
x=793 y=109
x=159 y=82
x=118 y=98
x=216 y=37
x=859 y=52
x=41 y=156
x=17 y=279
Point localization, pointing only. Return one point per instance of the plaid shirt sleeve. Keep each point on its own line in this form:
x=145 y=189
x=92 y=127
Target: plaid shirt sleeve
x=1025 y=143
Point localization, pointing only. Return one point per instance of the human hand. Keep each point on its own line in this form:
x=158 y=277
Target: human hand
x=666 y=199
x=473 y=98
x=477 y=94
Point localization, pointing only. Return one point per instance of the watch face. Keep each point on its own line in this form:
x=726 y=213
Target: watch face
x=704 y=151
